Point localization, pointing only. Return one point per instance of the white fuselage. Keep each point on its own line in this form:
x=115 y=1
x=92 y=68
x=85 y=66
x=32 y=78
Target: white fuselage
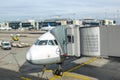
x=44 y=51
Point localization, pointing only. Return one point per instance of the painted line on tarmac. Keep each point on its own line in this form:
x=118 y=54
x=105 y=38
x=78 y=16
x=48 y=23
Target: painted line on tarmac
x=81 y=77
x=84 y=63
x=48 y=71
x=24 y=78
x=74 y=68
x=55 y=77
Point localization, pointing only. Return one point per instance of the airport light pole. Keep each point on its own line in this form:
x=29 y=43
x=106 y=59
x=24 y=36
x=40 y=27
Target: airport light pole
x=117 y=16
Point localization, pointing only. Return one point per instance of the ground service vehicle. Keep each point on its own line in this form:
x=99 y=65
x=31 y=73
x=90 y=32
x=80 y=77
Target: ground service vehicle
x=5 y=45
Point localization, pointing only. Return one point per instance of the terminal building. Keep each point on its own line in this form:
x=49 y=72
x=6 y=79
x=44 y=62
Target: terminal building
x=54 y=22
x=26 y=24
x=14 y=24
x=107 y=22
x=32 y=24
x=90 y=22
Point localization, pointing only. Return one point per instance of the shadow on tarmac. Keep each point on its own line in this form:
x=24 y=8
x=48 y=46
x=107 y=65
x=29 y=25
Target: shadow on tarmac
x=30 y=68
x=12 y=75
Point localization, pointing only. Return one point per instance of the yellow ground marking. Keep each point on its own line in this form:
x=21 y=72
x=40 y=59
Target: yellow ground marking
x=81 y=77
x=55 y=77
x=48 y=71
x=74 y=68
x=24 y=78
x=76 y=76
x=84 y=63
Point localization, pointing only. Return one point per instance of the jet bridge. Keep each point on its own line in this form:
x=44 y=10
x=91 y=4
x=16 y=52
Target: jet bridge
x=88 y=41
x=103 y=41
x=68 y=38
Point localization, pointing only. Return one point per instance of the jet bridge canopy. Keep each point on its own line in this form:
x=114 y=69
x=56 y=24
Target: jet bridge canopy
x=60 y=35
x=63 y=36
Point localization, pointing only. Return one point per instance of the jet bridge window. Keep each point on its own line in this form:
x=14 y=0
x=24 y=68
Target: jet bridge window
x=70 y=39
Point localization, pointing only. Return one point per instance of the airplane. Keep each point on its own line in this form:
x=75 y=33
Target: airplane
x=46 y=51
x=47 y=28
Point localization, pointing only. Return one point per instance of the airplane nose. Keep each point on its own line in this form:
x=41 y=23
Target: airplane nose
x=39 y=55
x=28 y=57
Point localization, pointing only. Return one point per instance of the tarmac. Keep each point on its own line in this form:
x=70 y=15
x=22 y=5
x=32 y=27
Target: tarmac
x=13 y=65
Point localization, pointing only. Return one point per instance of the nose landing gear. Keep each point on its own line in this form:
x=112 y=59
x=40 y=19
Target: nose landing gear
x=58 y=71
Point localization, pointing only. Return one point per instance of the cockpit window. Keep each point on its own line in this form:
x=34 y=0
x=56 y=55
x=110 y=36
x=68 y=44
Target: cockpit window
x=55 y=42
x=43 y=42
x=51 y=42
x=36 y=42
x=46 y=42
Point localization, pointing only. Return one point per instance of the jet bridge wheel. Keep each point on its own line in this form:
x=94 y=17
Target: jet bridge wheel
x=58 y=72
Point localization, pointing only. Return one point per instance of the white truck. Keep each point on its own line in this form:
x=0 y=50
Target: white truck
x=5 y=45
